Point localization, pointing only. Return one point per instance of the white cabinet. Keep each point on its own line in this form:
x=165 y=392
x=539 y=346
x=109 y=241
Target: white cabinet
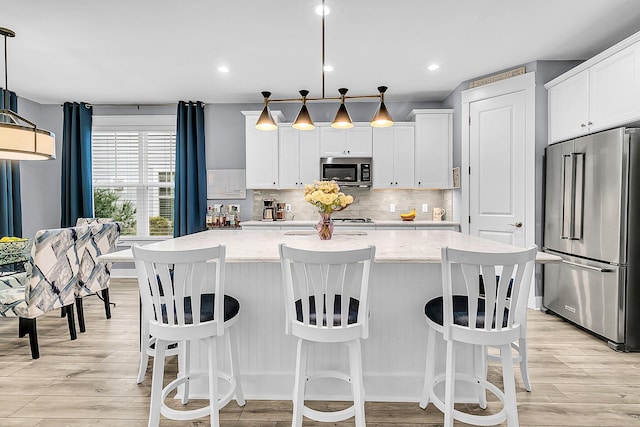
x=261 y=152
x=393 y=156
x=599 y=94
x=433 y=148
x=354 y=142
x=614 y=89
x=299 y=156
x=569 y=107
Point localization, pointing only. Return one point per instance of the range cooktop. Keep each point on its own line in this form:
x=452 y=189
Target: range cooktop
x=364 y=220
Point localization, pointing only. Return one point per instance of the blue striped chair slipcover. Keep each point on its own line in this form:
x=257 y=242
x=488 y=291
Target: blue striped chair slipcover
x=51 y=280
x=13 y=281
x=88 y=221
x=94 y=275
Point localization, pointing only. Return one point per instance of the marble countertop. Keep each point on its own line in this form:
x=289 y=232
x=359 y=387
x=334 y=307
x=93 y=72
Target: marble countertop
x=374 y=223
x=392 y=246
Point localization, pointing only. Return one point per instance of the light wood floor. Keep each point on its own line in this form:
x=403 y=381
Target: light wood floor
x=577 y=380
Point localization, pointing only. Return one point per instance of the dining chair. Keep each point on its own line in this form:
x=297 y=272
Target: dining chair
x=188 y=309
x=327 y=301
x=94 y=275
x=50 y=281
x=463 y=316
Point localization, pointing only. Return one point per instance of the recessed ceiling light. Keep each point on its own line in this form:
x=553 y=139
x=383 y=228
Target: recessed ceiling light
x=328 y=68
x=433 y=67
x=223 y=69
x=322 y=10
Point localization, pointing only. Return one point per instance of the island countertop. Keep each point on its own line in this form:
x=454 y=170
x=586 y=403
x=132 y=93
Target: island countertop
x=392 y=246
x=373 y=224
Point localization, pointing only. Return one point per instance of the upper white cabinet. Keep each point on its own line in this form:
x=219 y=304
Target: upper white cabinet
x=569 y=107
x=393 y=156
x=261 y=152
x=599 y=94
x=354 y=142
x=433 y=148
x=299 y=156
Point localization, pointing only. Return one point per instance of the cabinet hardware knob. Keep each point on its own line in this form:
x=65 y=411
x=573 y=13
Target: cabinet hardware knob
x=582 y=125
x=517 y=224
x=590 y=123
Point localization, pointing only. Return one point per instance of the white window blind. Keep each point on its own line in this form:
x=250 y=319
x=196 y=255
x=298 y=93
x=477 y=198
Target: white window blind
x=134 y=168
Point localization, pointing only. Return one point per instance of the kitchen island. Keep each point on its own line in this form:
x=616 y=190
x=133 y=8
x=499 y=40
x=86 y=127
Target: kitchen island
x=406 y=274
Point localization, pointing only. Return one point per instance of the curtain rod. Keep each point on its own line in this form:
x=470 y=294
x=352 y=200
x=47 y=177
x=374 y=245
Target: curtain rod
x=88 y=104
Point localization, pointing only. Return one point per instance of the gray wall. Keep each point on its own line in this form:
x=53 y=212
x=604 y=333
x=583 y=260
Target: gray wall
x=224 y=133
x=545 y=71
x=40 y=180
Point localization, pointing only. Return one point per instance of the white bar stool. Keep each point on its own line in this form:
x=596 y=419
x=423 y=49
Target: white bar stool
x=327 y=302
x=190 y=273
x=459 y=316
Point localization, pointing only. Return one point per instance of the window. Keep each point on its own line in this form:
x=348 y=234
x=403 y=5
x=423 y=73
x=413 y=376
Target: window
x=134 y=172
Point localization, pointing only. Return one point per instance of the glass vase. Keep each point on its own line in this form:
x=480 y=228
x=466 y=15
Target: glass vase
x=325 y=226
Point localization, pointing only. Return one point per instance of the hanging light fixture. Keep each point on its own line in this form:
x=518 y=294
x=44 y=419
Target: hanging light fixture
x=21 y=139
x=265 y=121
x=343 y=119
x=303 y=121
x=381 y=118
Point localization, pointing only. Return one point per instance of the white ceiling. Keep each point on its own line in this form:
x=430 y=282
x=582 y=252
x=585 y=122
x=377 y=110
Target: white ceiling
x=162 y=51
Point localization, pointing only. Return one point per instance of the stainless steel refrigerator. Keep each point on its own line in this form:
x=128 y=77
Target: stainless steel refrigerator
x=592 y=220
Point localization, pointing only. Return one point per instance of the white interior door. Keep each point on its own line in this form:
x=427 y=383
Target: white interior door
x=497 y=168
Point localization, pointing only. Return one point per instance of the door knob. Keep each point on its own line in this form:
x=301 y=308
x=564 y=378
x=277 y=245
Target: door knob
x=517 y=224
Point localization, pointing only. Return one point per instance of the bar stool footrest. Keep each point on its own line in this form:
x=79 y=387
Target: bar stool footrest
x=182 y=415
x=479 y=420
x=329 y=416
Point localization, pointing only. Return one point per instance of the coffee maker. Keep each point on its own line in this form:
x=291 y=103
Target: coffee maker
x=281 y=211
x=269 y=210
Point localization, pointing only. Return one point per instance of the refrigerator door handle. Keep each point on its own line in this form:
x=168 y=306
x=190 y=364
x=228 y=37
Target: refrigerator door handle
x=587 y=267
x=578 y=195
x=566 y=227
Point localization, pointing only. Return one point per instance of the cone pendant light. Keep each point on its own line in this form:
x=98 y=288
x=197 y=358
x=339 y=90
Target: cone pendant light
x=303 y=121
x=343 y=119
x=382 y=118
x=265 y=121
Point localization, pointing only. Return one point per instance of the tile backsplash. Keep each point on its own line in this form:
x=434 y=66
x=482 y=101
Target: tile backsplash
x=368 y=203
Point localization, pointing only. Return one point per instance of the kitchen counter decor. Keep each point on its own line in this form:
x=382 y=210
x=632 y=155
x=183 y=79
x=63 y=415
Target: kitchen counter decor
x=327 y=198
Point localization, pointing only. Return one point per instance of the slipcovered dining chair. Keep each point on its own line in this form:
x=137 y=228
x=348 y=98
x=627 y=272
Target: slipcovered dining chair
x=327 y=301
x=190 y=306
x=94 y=275
x=467 y=314
x=49 y=282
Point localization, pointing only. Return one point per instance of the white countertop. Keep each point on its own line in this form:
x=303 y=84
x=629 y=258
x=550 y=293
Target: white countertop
x=376 y=223
x=392 y=246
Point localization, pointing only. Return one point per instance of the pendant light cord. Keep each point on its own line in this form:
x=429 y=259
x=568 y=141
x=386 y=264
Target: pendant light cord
x=323 y=15
x=6 y=78
x=7 y=95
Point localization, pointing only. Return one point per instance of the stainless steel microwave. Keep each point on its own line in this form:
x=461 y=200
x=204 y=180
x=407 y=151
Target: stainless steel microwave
x=346 y=171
